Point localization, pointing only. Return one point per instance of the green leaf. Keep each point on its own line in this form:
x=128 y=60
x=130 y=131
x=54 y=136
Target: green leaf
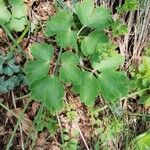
x=142 y=141
x=17 y=24
x=113 y=85
x=84 y=10
x=96 y=18
x=129 y=5
x=36 y=70
x=119 y=29
x=67 y=39
x=100 y=18
x=12 y=82
x=59 y=23
x=18 y=8
x=4 y=12
x=90 y=43
x=39 y=68
x=42 y=51
x=88 y=89
x=111 y=63
x=50 y=91
x=69 y=72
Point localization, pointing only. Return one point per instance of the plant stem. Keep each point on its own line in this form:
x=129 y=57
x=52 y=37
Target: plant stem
x=16 y=127
x=135 y=93
x=61 y=131
x=21 y=37
x=24 y=96
x=80 y=30
x=7 y=109
x=57 y=62
x=11 y=37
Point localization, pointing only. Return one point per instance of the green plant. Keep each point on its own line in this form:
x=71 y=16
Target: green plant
x=13 y=14
x=11 y=73
x=119 y=29
x=141 y=78
x=141 y=142
x=85 y=67
x=113 y=128
x=41 y=121
x=129 y=5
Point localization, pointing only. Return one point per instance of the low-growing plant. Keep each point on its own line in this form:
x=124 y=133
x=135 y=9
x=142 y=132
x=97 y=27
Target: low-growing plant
x=83 y=65
x=141 y=78
x=43 y=121
x=13 y=14
x=141 y=142
x=11 y=74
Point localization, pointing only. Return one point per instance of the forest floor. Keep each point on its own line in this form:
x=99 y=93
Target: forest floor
x=26 y=124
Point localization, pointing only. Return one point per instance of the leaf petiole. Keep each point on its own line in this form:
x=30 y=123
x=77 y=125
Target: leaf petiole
x=80 y=30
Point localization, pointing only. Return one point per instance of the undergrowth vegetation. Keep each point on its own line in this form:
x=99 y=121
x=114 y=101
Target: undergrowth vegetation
x=79 y=80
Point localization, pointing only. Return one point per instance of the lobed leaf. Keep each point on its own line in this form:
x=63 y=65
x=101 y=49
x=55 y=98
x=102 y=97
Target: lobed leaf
x=96 y=18
x=90 y=43
x=67 y=39
x=4 y=12
x=88 y=89
x=50 y=91
x=113 y=85
x=39 y=68
x=42 y=51
x=59 y=23
x=111 y=63
x=69 y=72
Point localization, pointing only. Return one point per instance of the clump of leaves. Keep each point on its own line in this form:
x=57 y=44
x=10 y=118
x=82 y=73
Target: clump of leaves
x=129 y=5
x=13 y=14
x=114 y=127
x=119 y=28
x=141 y=142
x=42 y=120
x=11 y=74
x=141 y=79
x=100 y=77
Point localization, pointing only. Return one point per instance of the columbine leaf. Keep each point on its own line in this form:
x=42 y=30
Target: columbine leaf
x=96 y=18
x=59 y=23
x=42 y=51
x=39 y=68
x=36 y=70
x=88 y=89
x=18 y=8
x=50 y=91
x=113 y=85
x=4 y=12
x=67 y=39
x=100 y=18
x=111 y=63
x=84 y=10
x=69 y=72
x=17 y=24
x=89 y=43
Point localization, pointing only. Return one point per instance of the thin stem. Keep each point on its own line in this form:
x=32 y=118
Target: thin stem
x=135 y=93
x=61 y=131
x=15 y=106
x=82 y=137
x=7 y=109
x=57 y=62
x=16 y=127
x=80 y=30
x=24 y=96
x=10 y=36
x=21 y=37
